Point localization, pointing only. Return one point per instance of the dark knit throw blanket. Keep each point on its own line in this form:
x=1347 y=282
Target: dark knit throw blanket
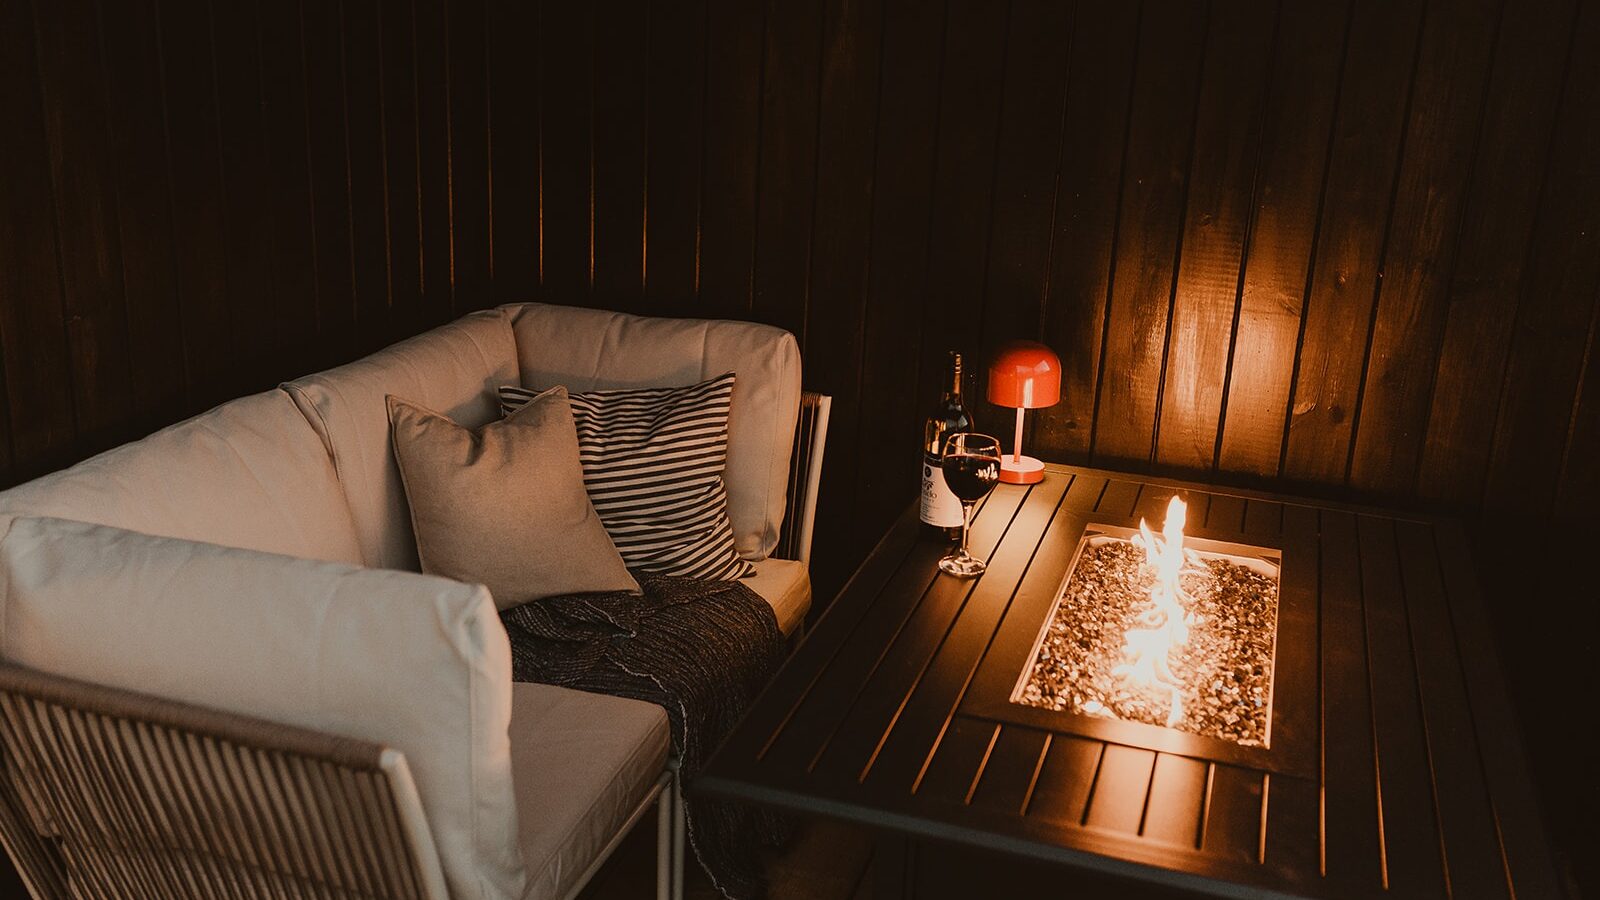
x=700 y=649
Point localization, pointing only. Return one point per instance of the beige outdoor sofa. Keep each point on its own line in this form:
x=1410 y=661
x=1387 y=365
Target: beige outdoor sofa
x=241 y=688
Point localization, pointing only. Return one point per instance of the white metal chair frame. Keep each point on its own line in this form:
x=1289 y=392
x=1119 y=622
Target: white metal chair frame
x=805 y=477
x=671 y=837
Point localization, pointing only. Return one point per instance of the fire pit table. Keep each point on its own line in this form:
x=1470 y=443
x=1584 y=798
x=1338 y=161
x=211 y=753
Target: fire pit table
x=1269 y=697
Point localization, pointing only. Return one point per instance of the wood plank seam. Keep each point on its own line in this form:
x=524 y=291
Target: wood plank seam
x=1427 y=729
x=1322 y=715
x=1033 y=781
x=1144 y=808
x=1377 y=758
x=1094 y=783
x=982 y=764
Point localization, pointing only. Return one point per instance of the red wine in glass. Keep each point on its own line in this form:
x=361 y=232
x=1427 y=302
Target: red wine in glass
x=971 y=465
x=970 y=476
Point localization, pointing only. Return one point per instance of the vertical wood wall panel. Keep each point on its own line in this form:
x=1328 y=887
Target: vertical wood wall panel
x=1348 y=246
x=284 y=121
x=87 y=245
x=971 y=96
x=368 y=170
x=328 y=161
x=472 y=272
x=621 y=104
x=730 y=161
x=1289 y=195
x=1172 y=41
x=1374 y=95
x=513 y=89
x=262 y=327
x=852 y=41
x=1105 y=41
x=1447 y=103
x=136 y=141
x=38 y=386
x=1525 y=87
x=1222 y=178
x=787 y=180
x=675 y=132
x=1529 y=68
x=397 y=62
x=891 y=328
x=194 y=169
x=1559 y=291
x=1028 y=150
x=433 y=160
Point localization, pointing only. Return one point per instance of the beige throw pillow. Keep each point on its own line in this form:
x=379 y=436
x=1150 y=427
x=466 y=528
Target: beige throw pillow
x=504 y=506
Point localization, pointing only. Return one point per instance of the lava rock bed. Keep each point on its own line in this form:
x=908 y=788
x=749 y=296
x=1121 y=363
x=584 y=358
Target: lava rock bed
x=1225 y=669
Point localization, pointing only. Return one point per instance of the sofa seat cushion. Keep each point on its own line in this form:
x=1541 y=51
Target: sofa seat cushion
x=453 y=369
x=582 y=763
x=250 y=473
x=786 y=585
x=596 y=350
x=413 y=662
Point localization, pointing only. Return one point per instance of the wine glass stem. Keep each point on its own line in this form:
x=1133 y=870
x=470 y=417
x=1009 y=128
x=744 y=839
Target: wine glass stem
x=966 y=526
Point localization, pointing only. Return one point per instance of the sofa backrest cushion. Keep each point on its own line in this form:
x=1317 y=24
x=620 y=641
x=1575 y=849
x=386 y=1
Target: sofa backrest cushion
x=250 y=473
x=417 y=663
x=453 y=369
x=594 y=350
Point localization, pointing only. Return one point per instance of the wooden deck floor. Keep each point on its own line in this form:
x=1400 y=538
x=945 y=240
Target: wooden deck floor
x=824 y=861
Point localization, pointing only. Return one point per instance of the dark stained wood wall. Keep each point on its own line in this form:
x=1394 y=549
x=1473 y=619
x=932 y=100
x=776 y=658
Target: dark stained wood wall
x=1349 y=246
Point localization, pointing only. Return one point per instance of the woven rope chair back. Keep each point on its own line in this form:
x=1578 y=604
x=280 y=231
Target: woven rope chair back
x=107 y=793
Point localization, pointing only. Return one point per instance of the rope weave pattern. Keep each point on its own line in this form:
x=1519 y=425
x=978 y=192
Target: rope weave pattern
x=109 y=794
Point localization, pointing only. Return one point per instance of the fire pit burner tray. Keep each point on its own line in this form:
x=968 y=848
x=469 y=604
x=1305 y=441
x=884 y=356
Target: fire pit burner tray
x=1283 y=739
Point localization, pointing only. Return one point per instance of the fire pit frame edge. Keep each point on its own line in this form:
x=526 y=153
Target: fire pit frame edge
x=1294 y=709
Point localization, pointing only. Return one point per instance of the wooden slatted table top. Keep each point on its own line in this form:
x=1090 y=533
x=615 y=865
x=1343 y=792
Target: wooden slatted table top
x=1415 y=783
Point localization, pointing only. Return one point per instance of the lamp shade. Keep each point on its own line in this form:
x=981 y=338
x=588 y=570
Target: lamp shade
x=1025 y=375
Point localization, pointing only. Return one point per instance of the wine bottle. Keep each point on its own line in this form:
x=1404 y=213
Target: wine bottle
x=941 y=510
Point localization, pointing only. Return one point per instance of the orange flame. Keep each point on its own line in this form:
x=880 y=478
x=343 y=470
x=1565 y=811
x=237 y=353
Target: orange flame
x=1165 y=625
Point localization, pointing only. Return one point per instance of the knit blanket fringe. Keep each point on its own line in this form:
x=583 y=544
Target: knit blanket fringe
x=702 y=650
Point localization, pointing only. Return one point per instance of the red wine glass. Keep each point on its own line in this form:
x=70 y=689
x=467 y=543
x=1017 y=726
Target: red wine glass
x=971 y=464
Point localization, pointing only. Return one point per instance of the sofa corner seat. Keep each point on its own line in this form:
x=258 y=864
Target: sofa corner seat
x=306 y=471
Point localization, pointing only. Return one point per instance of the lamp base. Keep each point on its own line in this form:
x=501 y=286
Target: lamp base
x=1026 y=470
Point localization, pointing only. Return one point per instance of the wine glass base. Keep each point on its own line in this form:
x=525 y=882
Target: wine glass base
x=962 y=565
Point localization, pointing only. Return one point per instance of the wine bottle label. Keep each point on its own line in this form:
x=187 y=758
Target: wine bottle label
x=940 y=507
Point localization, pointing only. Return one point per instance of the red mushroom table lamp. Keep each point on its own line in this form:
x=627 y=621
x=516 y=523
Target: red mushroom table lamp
x=1024 y=375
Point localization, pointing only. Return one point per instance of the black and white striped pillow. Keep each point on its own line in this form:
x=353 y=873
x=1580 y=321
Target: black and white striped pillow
x=652 y=463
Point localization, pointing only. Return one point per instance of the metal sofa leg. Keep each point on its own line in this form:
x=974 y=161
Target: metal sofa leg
x=680 y=836
x=666 y=845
